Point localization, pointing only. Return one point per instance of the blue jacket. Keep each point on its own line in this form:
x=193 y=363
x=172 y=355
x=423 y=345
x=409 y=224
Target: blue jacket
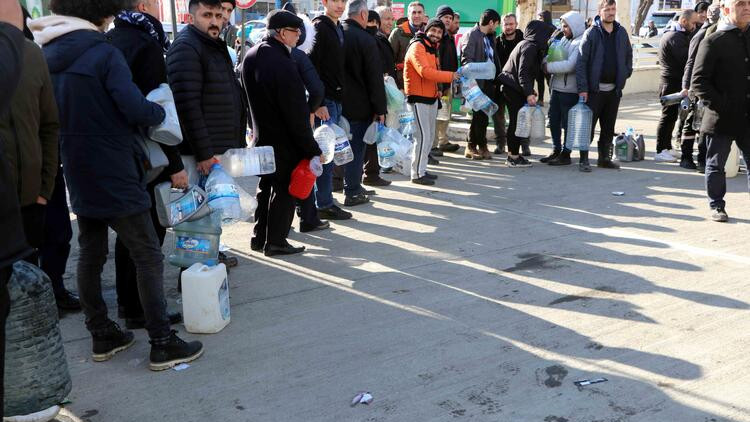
x=100 y=111
x=591 y=59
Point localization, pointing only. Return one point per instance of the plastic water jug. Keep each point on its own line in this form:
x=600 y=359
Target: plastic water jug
x=205 y=298
x=406 y=123
x=578 y=132
x=253 y=161
x=326 y=139
x=476 y=99
x=732 y=167
x=346 y=127
x=478 y=70
x=671 y=99
x=523 y=121
x=536 y=132
x=343 y=153
x=623 y=148
x=556 y=52
x=173 y=205
x=698 y=115
x=639 y=144
x=223 y=195
x=197 y=241
x=303 y=180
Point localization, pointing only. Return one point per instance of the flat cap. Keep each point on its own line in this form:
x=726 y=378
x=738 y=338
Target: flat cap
x=280 y=18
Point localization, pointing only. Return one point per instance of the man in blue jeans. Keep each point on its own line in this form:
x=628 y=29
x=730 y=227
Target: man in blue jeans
x=327 y=55
x=365 y=93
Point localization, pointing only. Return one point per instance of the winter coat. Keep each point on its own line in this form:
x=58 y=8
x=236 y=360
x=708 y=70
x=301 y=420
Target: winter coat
x=695 y=41
x=422 y=72
x=29 y=130
x=327 y=55
x=448 y=55
x=720 y=79
x=503 y=47
x=279 y=111
x=673 y=53
x=591 y=59
x=400 y=39
x=473 y=50
x=209 y=100
x=564 y=72
x=145 y=57
x=524 y=64
x=100 y=111
x=386 y=54
x=310 y=79
x=363 y=81
x=14 y=246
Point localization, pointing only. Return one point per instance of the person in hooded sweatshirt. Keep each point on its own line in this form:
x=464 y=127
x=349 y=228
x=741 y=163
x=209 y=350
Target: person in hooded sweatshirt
x=101 y=109
x=517 y=80
x=563 y=85
x=504 y=44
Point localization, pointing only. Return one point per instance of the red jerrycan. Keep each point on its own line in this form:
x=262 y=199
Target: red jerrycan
x=303 y=180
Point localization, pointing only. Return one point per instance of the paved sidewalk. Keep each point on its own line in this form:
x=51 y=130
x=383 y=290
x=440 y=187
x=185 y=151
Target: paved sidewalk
x=483 y=298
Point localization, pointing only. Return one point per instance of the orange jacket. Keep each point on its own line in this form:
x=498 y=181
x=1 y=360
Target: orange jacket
x=422 y=71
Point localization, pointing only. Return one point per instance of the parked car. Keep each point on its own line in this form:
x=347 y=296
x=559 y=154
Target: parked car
x=254 y=30
x=661 y=20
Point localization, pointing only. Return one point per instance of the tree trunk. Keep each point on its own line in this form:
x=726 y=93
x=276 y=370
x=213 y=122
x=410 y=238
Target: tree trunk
x=526 y=11
x=641 y=13
x=623 y=12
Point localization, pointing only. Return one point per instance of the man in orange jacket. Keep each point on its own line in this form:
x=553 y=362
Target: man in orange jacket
x=422 y=75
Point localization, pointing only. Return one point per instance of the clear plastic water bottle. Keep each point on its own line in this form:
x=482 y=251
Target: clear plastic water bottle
x=326 y=139
x=476 y=99
x=406 y=123
x=523 y=121
x=698 y=115
x=223 y=195
x=387 y=153
x=253 y=161
x=578 y=133
x=345 y=126
x=343 y=153
x=478 y=70
x=536 y=133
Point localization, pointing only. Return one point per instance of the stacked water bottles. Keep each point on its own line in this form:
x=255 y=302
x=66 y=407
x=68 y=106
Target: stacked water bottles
x=475 y=98
x=394 y=150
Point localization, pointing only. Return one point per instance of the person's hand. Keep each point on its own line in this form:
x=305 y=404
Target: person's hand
x=10 y=12
x=684 y=92
x=380 y=118
x=322 y=113
x=204 y=167
x=312 y=120
x=456 y=76
x=41 y=201
x=585 y=96
x=179 y=179
x=531 y=100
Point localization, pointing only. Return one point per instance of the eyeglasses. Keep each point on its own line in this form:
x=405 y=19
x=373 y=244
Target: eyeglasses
x=295 y=30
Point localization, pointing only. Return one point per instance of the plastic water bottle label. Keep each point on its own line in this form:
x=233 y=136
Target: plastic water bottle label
x=193 y=244
x=473 y=94
x=185 y=206
x=342 y=145
x=223 y=190
x=224 y=299
x=386 y=152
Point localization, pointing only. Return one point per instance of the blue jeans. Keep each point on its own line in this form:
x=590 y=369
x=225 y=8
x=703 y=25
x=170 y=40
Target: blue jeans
x=716 y=160
x=353 y=170
x=323 y=186
x=559 y=106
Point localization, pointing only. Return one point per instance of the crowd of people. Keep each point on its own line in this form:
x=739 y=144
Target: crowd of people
x=88 y=68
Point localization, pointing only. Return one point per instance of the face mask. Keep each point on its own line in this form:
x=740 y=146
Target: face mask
x=373 y=30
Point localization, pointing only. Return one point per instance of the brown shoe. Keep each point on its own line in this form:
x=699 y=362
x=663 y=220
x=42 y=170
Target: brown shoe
x=472 y=153
x=485 y=153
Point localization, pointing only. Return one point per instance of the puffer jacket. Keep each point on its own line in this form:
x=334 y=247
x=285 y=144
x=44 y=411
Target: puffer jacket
x=209 y=100
x=422 y=71
x=564 y=72
x=591 y=59
x=524 y=63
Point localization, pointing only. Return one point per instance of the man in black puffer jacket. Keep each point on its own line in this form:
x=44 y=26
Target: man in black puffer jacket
x=720 y=80
x=517 y=80
x=209 y=100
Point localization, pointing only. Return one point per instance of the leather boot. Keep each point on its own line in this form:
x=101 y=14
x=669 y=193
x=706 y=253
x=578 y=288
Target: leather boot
x=583 y=164
x=605 y=156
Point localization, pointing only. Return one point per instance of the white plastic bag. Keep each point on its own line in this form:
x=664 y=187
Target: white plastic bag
x=167 y=132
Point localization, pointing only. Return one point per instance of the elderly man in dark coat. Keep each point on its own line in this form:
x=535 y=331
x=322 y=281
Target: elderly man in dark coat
x=281 y=119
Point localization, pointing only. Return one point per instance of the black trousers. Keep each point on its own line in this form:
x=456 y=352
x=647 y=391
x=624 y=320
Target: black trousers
x=604 y=106
x=33 y=227
x=372 y=167
x=275 y=212
x=55 y=248
x=479 y=123
x=668 y=117
x=308 y=212
x=5 y=274
x=498 y=121
x=514 y=100
x=126 y=280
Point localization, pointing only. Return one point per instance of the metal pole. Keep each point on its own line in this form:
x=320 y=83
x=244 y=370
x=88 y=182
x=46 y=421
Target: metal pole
x=242 y=37
x=174 y=18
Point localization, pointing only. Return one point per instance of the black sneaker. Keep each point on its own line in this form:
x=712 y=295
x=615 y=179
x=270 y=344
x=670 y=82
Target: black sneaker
x=436 y=152
x=430 y=176
x=67 y=301
x=561 y=160
x=333 y=213
x=517 y=162
x=688 y=163
x=110 y=341
x=168 y=352
x=140 y=322
x=584 y=166
x=306 y=228
x=720 y=215
x=607 y=164
x=355 y=200
x=432 y=161
x=257 y=245
x=229 y=261
x=448 y=147
x=376 y=182
x=550 y=157
x=423 y=181
x=498 y=151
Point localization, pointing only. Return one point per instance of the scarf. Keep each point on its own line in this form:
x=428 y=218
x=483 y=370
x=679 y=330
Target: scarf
x=145 y=22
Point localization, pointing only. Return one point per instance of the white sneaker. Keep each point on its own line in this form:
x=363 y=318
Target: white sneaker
x=665 y=157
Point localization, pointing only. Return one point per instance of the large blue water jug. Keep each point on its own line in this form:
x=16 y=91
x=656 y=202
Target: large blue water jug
x=578 y=133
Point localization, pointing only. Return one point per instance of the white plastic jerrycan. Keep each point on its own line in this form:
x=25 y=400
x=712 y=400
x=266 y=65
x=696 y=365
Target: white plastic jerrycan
x=205 y=298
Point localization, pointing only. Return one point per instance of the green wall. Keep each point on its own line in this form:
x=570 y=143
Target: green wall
x=469 y=9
